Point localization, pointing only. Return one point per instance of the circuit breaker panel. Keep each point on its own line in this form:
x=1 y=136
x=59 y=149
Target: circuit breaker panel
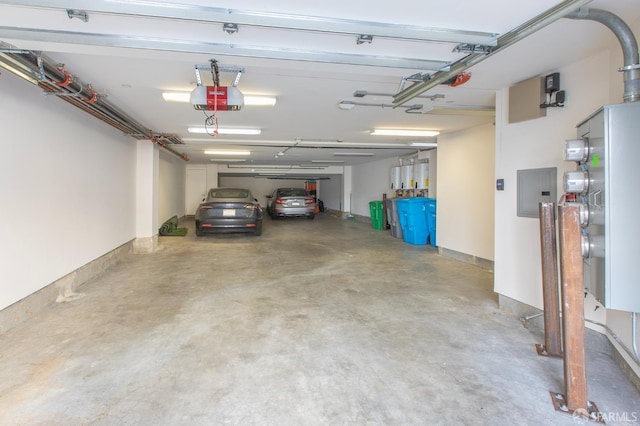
x=605 y=184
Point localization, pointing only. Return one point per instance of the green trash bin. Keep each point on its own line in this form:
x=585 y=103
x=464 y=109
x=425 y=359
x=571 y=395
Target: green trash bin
x=375 y=208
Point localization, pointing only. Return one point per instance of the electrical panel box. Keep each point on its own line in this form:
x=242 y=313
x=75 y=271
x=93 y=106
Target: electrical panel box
x=552 y=83
x=607 y=152
x=525 y=99
x=536 y=186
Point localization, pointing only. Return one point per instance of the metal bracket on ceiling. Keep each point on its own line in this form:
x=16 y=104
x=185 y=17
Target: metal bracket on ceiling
x=473 y=48
x=236 y=70
x=40 y=63
x=14 y=50
x=230 y=28
x=80 y=14
x=417 y=77
x=414 y=78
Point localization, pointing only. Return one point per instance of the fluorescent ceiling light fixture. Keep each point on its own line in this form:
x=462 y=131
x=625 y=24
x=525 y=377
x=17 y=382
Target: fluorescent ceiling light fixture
x=225 y=131
x=229 y=160
x=176 y=96
x=327 y=161
x=353 y=154
x=250 y=100
x=425 y=144
x=225 y=152
x=401 y=132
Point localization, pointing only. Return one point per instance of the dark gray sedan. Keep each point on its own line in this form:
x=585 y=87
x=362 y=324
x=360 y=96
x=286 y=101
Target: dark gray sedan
x=291 y=202
x=229 y=210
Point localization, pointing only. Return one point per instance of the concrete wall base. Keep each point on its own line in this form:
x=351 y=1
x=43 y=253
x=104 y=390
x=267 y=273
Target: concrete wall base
x=62 y=290
x=467 y=258
x=523 y=311
x=145 y=245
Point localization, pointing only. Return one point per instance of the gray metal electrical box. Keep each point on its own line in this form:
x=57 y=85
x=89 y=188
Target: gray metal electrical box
x=612 y=234
x=536 y=186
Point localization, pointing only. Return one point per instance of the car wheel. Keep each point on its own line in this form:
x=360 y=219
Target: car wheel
x=258 y=229
x=199 y=232
x=311 y=216
x=273 y=215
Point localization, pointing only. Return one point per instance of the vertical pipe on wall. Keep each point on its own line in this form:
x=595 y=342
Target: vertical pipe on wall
x=552 y=335
x=628 y=43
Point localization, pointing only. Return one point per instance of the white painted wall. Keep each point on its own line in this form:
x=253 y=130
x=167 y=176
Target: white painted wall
x=369 y=182
x=466 y=190
x=172 y=187
x=589 y=84
x=66 y=185
x=260 y=187
x=535 y=144
x=196 y=189
x=331 y=193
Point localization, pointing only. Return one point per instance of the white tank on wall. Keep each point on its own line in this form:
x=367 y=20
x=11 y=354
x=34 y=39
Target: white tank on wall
x=408 y=181
x=395 y=177
x=421 y=174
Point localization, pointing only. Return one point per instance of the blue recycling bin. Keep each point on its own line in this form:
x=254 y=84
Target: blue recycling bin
x=412 y=213
x=431 y=220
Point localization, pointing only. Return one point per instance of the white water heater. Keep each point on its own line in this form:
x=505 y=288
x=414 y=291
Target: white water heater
x=395 y=178
x=408 y=181
x=421 y=175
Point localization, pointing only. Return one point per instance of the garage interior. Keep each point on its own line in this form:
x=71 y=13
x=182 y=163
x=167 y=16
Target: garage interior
x=325 y=321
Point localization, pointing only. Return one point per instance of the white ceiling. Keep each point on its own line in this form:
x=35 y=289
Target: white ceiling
x=162 y=53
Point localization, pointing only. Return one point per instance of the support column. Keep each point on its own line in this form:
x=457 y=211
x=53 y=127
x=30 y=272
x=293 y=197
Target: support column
x=574 y=401
x=552 y=336
x=147 y=182
x=347 y=186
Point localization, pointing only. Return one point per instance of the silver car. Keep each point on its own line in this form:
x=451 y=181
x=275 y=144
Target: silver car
x=229 y=210
x=291 y=202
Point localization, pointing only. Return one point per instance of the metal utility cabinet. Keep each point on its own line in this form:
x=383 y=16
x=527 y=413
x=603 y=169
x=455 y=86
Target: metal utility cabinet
x=605 y=185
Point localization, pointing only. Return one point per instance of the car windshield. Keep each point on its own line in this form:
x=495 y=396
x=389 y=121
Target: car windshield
x=228 y=193
x=292 y=192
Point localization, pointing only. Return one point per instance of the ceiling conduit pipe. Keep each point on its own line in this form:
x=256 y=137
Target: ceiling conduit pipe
x=72 y=86
x=629 y=45
x=54 y=79
x=504 y=41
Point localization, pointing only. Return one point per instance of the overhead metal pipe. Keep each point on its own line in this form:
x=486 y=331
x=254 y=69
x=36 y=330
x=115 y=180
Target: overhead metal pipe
x=628 y=43
x=537 y=23
x=55 y=80
x=52 y=73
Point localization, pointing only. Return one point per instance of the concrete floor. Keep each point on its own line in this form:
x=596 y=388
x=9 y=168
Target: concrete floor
x=316 y=322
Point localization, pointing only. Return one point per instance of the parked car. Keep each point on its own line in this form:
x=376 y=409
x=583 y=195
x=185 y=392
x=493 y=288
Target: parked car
x=291 y=202
x=229 y=210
